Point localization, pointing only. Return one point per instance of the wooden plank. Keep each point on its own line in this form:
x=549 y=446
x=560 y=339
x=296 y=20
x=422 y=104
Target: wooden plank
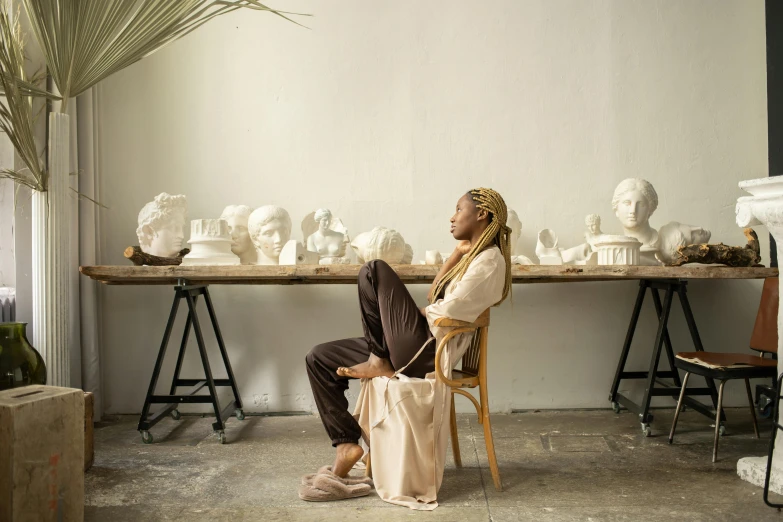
x=410 y=274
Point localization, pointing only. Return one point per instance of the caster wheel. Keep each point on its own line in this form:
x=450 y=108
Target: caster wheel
x=240 y=414
x=646 y=431
x=615 y=407
x=176 y=415
x=221 y=435
x=722 y=430
x=146 y=437
x=765 y=413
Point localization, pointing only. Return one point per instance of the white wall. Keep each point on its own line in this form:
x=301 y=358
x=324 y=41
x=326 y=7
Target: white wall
x=386 y=112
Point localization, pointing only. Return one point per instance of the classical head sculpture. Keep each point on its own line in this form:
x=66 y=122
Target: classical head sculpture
x=673 y=235
x=593 y=223
x=323 y=216
x=513 y=222
x=270 y=229
x=237 y=218
x=161 y=229
x=633 y=203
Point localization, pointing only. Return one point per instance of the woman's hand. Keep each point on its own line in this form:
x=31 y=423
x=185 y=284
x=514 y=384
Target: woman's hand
x=463 y=247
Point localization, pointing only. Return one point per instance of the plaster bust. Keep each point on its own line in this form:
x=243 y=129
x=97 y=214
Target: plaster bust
x=161 y=229
x=593 y=223
x=673 y=235
x=325 y=241
x=236 y=216
x=270 y=229
x=513 y=222
x=634 y=201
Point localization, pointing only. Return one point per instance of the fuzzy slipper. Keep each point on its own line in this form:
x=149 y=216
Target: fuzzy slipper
x=325 y=488
x=307 y=480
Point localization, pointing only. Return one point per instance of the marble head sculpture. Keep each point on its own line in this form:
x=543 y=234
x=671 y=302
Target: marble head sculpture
x=634 y=201
x=673 y=235
x=161 y=229
x=270 y=229
x=593 y=223
x=237 y=218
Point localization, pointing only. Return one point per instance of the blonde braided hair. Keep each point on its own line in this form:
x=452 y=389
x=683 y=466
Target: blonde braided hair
x=496 y=233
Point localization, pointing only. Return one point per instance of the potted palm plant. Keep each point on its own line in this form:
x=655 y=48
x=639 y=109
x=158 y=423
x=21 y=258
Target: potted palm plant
x=83 y=42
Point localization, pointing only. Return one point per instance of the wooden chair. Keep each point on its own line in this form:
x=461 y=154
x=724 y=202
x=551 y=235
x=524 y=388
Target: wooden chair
x=727 y=366
x=473 y=374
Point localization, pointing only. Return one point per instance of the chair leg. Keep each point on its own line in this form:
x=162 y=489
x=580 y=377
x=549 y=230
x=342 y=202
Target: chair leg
x=717 y=422
x=368 y=467
x=752 y=409
x=489 y=441
x=679 y=406
x=454 y=437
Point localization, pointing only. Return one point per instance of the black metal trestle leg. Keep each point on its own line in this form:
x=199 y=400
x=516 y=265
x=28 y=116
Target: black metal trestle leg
x=654 y=383
x=191 y=293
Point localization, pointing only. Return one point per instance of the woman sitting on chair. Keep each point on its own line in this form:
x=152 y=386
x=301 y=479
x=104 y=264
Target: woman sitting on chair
x=475 y=277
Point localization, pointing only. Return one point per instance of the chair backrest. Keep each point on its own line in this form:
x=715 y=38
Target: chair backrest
x=472 y=356
x=765 y=331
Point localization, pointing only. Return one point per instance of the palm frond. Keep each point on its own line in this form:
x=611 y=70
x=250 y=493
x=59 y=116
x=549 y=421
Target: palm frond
x=86 y=41
x=16 y=111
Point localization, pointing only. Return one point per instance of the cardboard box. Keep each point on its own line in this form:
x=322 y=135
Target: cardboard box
x=42 y=457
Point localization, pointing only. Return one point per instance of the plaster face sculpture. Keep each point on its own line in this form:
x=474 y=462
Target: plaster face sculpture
x=673 y=235
x=236 y=217
x=513 y=222
x=634 y=201
x=380 y=243
x=546 y=248
x=210 y=244
x=270 y=230
x=593 y=223
x=327 y=236
x=161 y=229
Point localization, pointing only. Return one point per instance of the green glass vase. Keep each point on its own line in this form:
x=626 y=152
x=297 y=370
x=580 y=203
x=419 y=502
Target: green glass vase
x=20 y=363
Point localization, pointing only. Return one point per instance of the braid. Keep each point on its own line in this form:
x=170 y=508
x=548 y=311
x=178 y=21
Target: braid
x=496 y=233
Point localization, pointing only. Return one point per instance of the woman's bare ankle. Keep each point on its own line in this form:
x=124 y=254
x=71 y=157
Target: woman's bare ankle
x=348 y=454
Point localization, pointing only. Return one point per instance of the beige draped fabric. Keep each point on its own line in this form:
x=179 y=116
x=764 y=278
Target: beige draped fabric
x=407 y=420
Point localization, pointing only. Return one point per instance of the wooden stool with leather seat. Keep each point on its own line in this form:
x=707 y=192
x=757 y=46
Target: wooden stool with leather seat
x=472 y=374
x=727 y=366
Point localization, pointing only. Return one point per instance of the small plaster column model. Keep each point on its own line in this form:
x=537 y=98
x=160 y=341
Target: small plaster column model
x=210 y=244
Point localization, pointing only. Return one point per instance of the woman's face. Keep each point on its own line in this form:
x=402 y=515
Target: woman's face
x=633 y=209
x=467 y=218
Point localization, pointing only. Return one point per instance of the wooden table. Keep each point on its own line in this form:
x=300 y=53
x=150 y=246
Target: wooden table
x=190 y=283
x=410 y=274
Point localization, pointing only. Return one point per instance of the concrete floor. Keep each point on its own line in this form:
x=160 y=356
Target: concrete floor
x=557 y=465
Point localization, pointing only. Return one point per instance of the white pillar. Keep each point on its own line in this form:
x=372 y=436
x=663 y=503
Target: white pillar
x=51 y=245
x=764 y=207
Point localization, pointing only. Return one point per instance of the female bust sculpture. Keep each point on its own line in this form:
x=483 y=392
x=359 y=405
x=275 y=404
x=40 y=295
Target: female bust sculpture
x=270 y=229
x=236 y=216
x=325 y=241
x=633 y=203
x=161 y=229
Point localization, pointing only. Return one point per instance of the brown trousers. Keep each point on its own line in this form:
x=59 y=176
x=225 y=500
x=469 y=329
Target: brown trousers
x=394 y=329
